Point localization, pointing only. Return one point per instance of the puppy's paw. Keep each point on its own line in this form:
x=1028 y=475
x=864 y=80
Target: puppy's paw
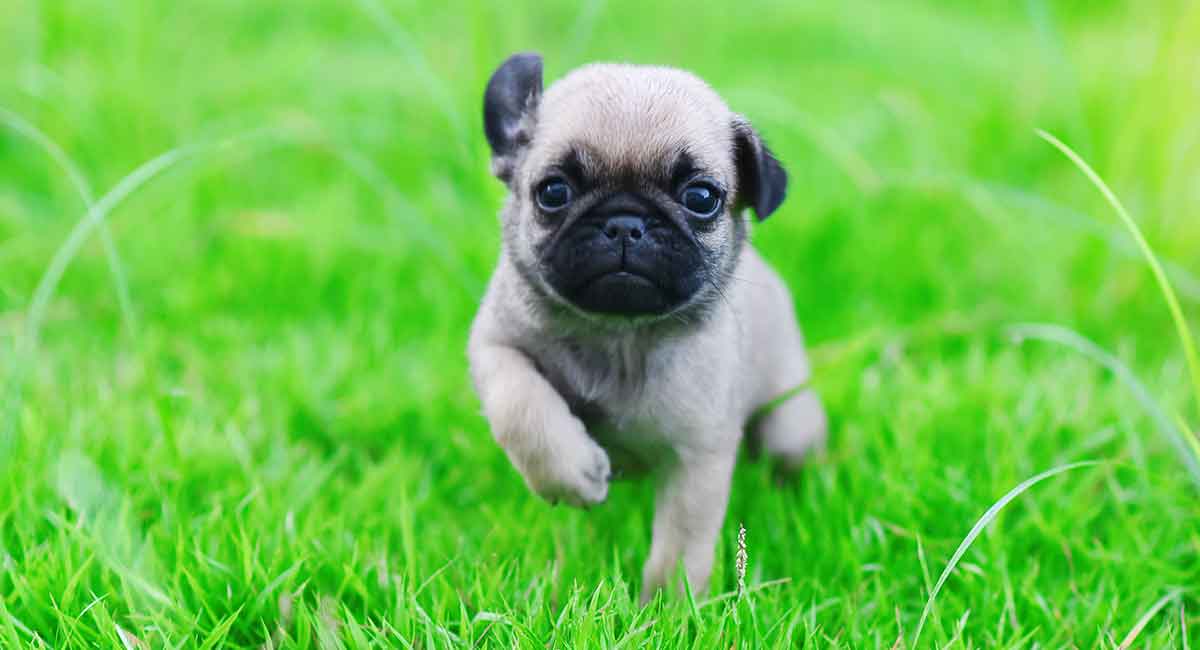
x=573 y=470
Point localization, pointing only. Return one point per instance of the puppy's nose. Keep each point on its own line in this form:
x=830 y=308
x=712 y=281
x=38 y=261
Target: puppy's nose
x=625 y=226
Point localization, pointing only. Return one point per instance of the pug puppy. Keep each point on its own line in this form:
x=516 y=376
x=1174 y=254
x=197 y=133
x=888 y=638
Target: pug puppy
x=629 y=326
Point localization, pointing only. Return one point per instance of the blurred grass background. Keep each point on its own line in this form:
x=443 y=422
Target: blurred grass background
x=273 y=440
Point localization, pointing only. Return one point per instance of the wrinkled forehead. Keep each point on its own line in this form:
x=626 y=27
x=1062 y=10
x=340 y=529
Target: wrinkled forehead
x=617 y=120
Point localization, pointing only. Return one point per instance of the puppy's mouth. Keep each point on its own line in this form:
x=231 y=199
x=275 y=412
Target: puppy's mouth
x=622 y=292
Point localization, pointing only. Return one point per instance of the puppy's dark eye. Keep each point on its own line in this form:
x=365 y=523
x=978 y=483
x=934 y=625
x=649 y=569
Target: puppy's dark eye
x=701 y=199
x=553 y=194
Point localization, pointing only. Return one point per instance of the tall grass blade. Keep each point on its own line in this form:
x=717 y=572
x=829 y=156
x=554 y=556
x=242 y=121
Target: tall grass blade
x=48 y=283
x=1191 y=437
x=1183 y=629
x=1063 y=336
x=419 y=64
x=982 y=523
x=79 y=234
x=84 y=189
x=1147 y=617
x=1164 y=284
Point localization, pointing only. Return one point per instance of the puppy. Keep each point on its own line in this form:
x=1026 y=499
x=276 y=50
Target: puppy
x=629 y=326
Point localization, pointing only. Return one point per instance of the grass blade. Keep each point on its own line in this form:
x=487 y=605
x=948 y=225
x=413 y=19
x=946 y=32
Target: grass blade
x=1146 y=618
x=1192 y=438
x=83 y=188
x=419 y=64
x=93 y=218
x=982 y=523
x=1164 y=284
x=1063 y=336
x=217 y=636
x=79 y=234
x=1183 y=631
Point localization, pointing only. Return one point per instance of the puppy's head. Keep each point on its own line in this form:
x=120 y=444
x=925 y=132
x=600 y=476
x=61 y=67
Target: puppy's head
x=627 y=185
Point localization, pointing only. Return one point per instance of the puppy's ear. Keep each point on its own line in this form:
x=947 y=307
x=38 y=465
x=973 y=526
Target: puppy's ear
x=762 y=181
x=509 y=108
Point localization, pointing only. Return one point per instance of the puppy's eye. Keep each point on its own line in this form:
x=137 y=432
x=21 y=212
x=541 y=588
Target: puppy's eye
x=701 y=199
x=553 y=194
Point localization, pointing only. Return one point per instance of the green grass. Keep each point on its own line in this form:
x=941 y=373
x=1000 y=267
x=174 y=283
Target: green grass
x=236 y=412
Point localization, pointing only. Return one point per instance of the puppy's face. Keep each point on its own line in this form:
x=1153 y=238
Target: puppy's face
x=626 y=185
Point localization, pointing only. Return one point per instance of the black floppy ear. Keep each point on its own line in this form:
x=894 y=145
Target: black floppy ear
x=509 y=106
x=762 y=181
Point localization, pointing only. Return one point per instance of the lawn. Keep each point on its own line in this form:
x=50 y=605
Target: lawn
x=241 y=244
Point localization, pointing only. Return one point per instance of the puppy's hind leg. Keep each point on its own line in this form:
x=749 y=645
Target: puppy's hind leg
x=791 y=430
x=790 y=422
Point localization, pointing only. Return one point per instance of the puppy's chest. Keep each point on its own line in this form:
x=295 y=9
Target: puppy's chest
x=615 y=378
x=622 y=391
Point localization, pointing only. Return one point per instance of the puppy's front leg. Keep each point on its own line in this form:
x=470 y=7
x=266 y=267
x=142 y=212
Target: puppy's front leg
x=531 y=421
x=688 y=514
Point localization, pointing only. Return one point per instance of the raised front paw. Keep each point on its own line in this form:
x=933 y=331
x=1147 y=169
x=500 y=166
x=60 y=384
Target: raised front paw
x=573 y=470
